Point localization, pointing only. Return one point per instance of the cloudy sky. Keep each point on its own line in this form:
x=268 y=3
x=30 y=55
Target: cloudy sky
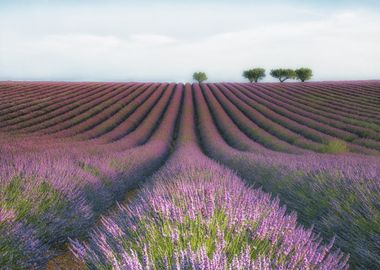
x=144 y=40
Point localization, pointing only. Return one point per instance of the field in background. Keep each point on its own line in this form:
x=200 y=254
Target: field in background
x=69 y=151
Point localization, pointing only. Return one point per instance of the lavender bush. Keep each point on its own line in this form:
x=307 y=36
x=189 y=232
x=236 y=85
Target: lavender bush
x=56 y=189
x=69 y=151
x=339 y=194
x=197 y=214
x=19 y=246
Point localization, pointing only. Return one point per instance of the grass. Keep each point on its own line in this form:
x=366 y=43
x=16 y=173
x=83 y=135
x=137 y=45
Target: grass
x=10 y=246
x=30 y=204
x=335 y=147
x=334 y=206
x=194 y=234
x=97 y=173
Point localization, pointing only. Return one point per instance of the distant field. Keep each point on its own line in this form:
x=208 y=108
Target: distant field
x=69 y=151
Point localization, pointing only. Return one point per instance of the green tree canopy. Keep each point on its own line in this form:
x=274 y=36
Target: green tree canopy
x=200 y=76
x=283 y=74
x=304 y=74
x=254 y=74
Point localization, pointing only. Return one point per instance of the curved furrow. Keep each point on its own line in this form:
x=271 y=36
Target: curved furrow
x=163 y=112
x=211 y=140
x=143 y=130
x=116 y=119
x=130 y=122
x=110 y=107
x=371 y=89
x=312 y=95
x=305 y=183
x=9 y=88
x=13 y=88
x=251 y=128
x=332 y=119
x=256 y=101
x=11 y=94
x=170 y=199
x=319 y=99
x=299 y=92
x=288 y=124
x=46 y=92
x=323 y=109
x=15 y=110
x=267 y=124
x=167 y=129
x=347 y=94
x=347 y=91
x=363 y=93
x=101 y=181
x=69 y=114
x=86 y=159
x=336 y=92
x=154 y=151
x=368 y=137
x=158 y=139
x=135 y=138
x=322 y=103
x=42 y=109
x=285 y=117
x=27 y=92
x=229 y=130
x=45 y=107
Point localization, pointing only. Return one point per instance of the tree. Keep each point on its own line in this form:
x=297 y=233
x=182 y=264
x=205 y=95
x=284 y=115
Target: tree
x=200 y=76
x=254 y=74
x=283 y=74
x=304 y=74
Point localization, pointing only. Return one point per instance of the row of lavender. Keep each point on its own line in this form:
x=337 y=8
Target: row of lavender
x=327 y=104
x=294 y=91
x=48 y=196
x=199 y=215
x=291 y=127
x=196 y=214
x=55 y=198
x=264 y=118
x=110 y=123
x=350 y=183
x=338 y=194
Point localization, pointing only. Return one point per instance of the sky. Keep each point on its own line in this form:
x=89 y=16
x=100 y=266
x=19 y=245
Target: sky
x=151 y=40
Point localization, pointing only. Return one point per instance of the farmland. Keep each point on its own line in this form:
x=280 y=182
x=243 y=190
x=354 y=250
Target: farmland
x=228 y=175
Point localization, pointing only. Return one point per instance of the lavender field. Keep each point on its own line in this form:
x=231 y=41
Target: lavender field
x=190 y=176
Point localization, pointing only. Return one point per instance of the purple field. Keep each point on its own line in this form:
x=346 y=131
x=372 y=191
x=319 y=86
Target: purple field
x=225 y=175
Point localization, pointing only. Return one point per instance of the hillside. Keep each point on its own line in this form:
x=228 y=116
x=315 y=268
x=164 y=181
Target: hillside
x=69 y=151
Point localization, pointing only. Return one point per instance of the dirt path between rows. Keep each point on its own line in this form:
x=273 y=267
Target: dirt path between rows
x=66 y=260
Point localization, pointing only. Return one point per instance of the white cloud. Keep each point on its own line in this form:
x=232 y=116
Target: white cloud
x=152 y=40
x=169 y=43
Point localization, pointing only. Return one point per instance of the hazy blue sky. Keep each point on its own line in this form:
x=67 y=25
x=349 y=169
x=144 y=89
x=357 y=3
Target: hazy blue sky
x=168 y=40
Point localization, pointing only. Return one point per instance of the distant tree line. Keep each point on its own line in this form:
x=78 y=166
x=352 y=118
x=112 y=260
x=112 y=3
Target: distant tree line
x=282 y=74
x=257 y=74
